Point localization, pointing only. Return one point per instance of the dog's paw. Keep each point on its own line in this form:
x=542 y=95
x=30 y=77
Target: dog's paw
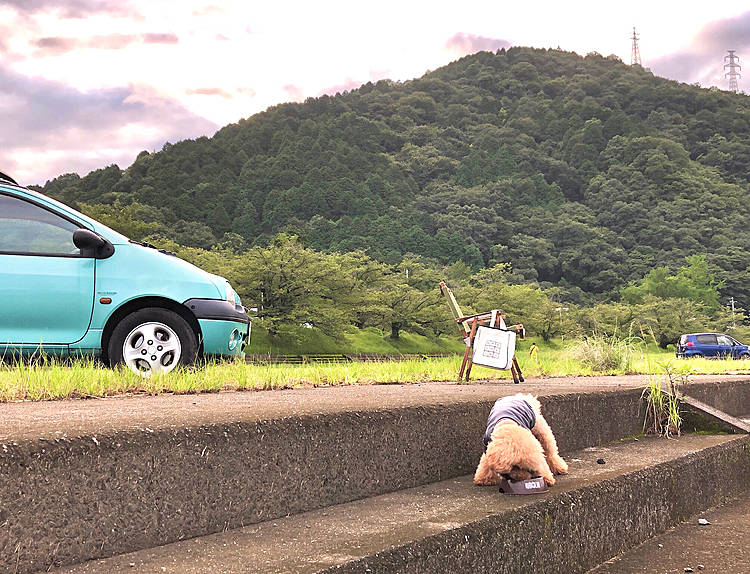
x=558 y=465
x=485 y=480
x=550 y=480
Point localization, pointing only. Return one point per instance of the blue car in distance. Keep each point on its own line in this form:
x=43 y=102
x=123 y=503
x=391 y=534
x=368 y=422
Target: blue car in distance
x=70 y=285
x=711 y=345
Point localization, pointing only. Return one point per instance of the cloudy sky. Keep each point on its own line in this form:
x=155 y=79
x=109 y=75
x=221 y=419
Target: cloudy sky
x=88 y=83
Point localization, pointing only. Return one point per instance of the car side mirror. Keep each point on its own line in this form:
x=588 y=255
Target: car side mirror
x=92 y=244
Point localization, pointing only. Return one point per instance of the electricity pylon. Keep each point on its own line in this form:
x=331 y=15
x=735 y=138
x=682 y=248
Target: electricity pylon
x=732 y=73
x=635 y=54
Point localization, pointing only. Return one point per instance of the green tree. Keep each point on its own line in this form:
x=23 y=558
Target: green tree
x=692 y=281
x=410 y=301
x=521 y=304
x=193 y=234
x=121 y=219
x=292 y=285
x=404 y=308
x=608 y=319
x=667 y=319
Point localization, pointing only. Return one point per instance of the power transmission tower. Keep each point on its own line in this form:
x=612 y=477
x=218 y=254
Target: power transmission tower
x=635 y=54
x=732 y=73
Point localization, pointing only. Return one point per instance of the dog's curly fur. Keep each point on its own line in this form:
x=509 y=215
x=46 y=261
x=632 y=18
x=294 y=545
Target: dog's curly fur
x=520 y=454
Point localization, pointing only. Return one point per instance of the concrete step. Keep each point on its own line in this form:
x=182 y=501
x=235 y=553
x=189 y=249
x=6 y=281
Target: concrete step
x=90 y=479
x=722 y=546
x=589 y=516
x=83 y=480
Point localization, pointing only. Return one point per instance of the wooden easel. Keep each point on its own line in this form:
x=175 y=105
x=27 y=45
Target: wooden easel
x=468 y=324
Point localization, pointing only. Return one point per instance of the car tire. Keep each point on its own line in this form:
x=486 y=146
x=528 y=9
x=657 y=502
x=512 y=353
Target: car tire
x=152 y=340
x=744 y=356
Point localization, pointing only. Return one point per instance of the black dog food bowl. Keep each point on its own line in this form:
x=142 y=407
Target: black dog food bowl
x=530 y=486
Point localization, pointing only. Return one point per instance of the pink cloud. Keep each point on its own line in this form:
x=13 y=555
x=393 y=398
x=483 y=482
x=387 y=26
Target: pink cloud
x=376 y=75
x=43 y=116
x=208 y=11
x=58 y=45
x=703 y=61
x=152 y=38
x=348 y=85
x=463 y=44
x=209 y=92
x=75 y=9
x=55 y=45
x=295 y=93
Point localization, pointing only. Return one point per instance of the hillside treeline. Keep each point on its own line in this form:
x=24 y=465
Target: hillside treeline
x=582 y=174
x=337 y=293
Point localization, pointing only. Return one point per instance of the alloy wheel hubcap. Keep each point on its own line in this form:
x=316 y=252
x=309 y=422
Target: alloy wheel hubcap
x=152 y=348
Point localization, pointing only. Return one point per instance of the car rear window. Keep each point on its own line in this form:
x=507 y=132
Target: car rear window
x=706 y=339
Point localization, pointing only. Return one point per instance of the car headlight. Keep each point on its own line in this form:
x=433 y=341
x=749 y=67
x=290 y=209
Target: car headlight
x=230 y=295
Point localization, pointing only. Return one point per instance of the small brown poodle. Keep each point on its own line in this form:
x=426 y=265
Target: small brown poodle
x=518 y=444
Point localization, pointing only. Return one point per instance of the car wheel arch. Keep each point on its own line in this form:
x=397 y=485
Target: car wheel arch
x=141 y=303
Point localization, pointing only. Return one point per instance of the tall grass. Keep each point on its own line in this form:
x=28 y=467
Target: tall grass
x=57 y=379
x=609 y=354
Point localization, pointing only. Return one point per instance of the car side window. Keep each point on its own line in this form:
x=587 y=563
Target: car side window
x=26 y=228
x=706 y=339
x=724 y=340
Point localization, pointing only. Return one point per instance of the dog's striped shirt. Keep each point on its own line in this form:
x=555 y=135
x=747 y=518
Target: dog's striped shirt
x=509 y=408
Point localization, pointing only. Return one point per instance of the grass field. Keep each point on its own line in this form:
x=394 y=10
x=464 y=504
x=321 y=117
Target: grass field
x=55 y=379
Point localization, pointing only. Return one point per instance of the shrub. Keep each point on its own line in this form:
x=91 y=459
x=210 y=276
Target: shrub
x=608 y=353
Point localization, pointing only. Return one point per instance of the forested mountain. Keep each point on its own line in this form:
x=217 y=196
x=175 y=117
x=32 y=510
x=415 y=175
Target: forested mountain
x=580 y=172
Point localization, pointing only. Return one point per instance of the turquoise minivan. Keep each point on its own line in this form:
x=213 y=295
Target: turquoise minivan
x=70 y=285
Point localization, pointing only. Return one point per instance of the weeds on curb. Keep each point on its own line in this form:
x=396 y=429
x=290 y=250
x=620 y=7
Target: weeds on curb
x=663 y=402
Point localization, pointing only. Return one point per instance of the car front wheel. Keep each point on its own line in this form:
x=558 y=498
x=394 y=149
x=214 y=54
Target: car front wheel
x=152 y=340
x=744 y=356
